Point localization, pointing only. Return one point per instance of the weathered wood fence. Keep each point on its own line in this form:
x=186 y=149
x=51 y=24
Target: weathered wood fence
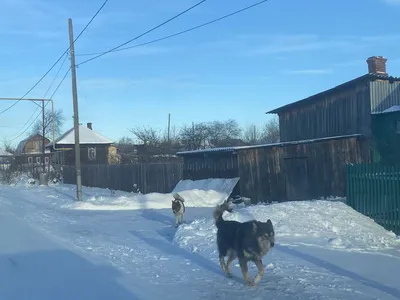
x=149 y=177
x=374 y=190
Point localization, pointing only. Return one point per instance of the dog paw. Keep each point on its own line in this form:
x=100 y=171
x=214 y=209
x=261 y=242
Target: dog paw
x=229 y=275
x=250 y=283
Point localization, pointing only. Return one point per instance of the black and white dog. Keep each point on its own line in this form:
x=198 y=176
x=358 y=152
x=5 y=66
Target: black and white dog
x=178 y=208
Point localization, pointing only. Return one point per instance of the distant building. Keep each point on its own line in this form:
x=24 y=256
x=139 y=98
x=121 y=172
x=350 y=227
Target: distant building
x=5 y=157
x=94 y=148
x=29 y=151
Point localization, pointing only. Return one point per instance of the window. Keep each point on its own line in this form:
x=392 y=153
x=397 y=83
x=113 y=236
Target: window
x=38 y=160
x=46 y=160
x=92 y=153
x=30 y=160
x=398 y=127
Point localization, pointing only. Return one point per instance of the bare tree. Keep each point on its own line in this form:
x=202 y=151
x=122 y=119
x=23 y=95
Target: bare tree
x=270 y=133
x=147 y=136
x=194 y=137
x=253 y=135
x=8 y=147
x=48 y=120
x=223 y=133
x=210 y=134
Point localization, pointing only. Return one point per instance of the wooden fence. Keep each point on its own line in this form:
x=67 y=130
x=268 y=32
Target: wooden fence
x=149 y=177
x=374 y=190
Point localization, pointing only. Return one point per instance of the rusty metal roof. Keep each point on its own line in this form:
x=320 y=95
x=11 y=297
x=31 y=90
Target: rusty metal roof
x=317 y=97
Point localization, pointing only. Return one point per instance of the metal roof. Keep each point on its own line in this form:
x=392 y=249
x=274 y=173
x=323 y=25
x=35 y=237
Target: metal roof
x=233 y=149
x=317 y=97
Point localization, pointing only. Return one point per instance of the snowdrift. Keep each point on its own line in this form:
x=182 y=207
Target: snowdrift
x=199 y=193
x=100 y=199
x=311 y=223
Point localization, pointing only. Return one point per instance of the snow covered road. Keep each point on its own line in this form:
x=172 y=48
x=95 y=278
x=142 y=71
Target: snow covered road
x=66 y=253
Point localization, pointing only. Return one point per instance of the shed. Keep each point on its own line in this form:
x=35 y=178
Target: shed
x=306 y=169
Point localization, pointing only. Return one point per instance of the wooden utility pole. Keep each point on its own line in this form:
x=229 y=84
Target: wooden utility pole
x=43 y=139
x=76 y=117
x=169 y=126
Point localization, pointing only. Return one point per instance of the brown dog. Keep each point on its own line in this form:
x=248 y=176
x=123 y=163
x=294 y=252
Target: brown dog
x=248 y=241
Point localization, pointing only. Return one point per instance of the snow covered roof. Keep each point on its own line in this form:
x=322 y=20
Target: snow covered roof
x=86 y=136
x=231 y=149
x=4 y=153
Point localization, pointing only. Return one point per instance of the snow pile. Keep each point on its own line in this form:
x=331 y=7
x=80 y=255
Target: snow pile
x=199 y=193
x=326 y=224
x=100 y=199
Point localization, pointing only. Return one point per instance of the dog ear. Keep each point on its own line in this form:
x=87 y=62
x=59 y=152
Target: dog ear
x=255 y=227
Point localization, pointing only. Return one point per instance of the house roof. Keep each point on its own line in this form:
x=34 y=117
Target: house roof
x=232 y=149
x=22 y=143
x=4 y=153
x=86 y=136
x=317 y=97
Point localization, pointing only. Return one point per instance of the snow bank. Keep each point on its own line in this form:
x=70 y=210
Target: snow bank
x=318 y=223
x=199 y=193
x=99 y=199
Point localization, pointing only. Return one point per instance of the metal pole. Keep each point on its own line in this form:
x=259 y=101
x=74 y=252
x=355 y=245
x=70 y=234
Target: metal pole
x=76 y=117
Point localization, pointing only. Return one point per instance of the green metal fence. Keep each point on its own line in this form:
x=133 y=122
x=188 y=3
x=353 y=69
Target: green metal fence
x=374 y=190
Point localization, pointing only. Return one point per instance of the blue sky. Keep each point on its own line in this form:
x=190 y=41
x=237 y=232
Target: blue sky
x=277 y=53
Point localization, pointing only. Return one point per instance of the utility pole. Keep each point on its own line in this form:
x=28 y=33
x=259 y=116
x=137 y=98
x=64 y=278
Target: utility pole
x=43 y=139
x=169 y=126
x=76 y=117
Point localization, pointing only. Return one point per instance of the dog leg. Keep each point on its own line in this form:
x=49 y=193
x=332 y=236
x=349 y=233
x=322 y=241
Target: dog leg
x=222 y=263
x=260 y=268
x=182 y=219
x=231 y=258
x=176 y=221
x=245 y=272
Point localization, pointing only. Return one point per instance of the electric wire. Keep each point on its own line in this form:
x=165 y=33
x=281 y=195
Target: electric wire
x=34 y=120
x=180 y=32
x=61 y=56
x=139 y=36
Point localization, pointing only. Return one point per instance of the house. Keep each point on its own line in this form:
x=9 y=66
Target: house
x=319 y=136
x=29 y=151
x=5 y=157
x=94 y=148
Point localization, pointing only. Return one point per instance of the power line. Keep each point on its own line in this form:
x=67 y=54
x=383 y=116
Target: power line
x=34 y=120
x=139 y=36
x=51 y=68
x=180 y=32
x=54 y=79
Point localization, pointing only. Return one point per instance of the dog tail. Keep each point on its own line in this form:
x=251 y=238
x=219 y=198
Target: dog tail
x=178 y=197
x=219 y=210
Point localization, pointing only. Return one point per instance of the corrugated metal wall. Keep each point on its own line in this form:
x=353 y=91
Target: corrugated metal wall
x=384 y=95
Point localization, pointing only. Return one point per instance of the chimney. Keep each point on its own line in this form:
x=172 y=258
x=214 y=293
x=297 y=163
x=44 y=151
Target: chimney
x=377 y=65
x=89 y=125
